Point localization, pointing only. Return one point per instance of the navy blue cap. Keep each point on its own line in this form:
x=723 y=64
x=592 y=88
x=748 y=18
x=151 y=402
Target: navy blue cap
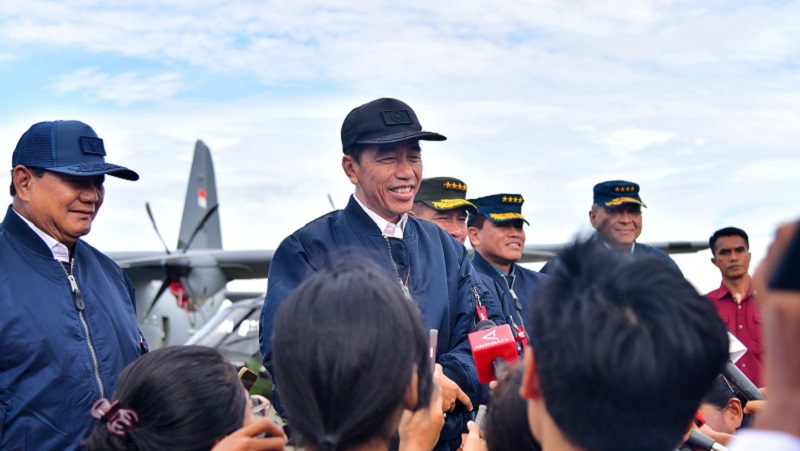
x=500 y=207
x=66 y=147
x=614 y=193
x=383 y=121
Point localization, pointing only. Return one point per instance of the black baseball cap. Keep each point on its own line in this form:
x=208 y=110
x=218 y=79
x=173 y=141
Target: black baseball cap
x=383 y=121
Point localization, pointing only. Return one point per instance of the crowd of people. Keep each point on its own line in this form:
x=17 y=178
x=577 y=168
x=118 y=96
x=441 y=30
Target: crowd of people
x=365 y=326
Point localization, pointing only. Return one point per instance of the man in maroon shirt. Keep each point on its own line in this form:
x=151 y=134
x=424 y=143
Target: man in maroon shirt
x=735 y=299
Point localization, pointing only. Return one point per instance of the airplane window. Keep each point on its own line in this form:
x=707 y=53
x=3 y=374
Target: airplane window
x=226 y=327
x=218 y=333
x=248 y=327
x=245 y=339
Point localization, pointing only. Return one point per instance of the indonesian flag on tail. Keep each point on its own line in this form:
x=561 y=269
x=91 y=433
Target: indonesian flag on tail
x=202 y=200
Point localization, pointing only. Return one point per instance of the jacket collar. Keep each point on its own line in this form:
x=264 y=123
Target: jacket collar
x=487 y=268
x=359 y=219
x=17 y=227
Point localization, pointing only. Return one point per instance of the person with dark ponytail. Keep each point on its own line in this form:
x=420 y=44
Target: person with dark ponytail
x=176 y=398
x=351 y=352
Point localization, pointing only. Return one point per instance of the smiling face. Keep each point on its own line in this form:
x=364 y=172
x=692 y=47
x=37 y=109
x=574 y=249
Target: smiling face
x=618 y=227
x=386 y=177
x=731 y=256
x=500 y=243
x=62 y=205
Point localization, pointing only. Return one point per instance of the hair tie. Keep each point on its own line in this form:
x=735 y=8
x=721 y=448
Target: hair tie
x=119 y=421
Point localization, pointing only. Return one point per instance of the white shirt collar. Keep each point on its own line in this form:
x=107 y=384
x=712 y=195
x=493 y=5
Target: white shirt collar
x=59 y=250
x=383 y=224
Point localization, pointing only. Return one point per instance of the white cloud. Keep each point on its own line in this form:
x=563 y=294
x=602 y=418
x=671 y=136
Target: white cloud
x=122 y=89
x=697 y=103
x=625 y=142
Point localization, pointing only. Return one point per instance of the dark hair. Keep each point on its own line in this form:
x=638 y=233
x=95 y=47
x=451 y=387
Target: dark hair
x=727 y=231
x=506 y=426
x=720 y=393
x=186 y=397
x=611 y=335
x=37 y=172
x=355 y=151
x=346 y=343
x=476 y=220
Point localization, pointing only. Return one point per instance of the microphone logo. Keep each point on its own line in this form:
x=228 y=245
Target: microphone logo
x=491 y=336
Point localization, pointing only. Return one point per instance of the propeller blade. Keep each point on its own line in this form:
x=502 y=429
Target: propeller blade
x=200 y=225
x=160 y=291
x=153 y=220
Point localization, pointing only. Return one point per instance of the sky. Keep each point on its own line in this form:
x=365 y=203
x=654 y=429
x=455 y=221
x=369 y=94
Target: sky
x=695 y=101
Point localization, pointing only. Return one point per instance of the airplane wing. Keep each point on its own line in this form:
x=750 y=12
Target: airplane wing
x=544 y=252
x=243 y=264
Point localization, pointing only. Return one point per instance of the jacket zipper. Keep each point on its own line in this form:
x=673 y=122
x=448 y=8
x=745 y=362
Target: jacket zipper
x=403 y=286
x=80 y=305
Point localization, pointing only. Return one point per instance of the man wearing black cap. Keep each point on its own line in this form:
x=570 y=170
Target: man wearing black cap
x=497 y=235
x=383 y=160
x=616 y=215
x=69 y=325
x=443 y=200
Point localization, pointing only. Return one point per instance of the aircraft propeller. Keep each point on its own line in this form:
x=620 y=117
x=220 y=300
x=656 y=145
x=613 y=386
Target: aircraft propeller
x=176 y=271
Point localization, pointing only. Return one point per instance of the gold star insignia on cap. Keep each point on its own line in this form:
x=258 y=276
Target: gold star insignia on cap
x=505 y=199
x=616 y=190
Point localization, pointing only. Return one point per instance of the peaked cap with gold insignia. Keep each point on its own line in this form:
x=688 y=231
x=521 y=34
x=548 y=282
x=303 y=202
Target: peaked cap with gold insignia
x=614 y=193
x=444 y=193
x=501 y=207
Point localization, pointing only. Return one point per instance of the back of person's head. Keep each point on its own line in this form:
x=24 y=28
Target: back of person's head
x=612 y=337
x=506 y=424
x=347 y=343
x=185 y=398
x=727 y=231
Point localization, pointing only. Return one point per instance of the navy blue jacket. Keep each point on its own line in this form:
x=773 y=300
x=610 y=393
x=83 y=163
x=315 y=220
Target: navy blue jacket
x=48 y=376
x=638 y=250
x=439 y=273
x=526 y=282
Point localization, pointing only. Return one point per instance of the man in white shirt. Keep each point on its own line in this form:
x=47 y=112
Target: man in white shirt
x=383 y=160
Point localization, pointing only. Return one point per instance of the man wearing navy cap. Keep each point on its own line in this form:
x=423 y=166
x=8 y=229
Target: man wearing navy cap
x=69 y=325
x=383 y=160
x=498 y=237
x=443 y=200
x=616 y=215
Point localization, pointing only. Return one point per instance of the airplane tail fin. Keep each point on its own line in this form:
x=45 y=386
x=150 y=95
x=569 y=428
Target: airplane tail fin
x=197 y=231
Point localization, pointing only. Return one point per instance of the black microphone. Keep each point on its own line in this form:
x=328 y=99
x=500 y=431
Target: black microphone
x=702 y=441
x=741 y=382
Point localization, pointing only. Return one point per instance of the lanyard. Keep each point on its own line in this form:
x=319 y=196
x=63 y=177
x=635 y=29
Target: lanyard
x=520 y=336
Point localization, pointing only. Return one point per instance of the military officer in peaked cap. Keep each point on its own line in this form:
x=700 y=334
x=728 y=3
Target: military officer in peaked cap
x=443 y=200
x=497 y=234
x=616 y=216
